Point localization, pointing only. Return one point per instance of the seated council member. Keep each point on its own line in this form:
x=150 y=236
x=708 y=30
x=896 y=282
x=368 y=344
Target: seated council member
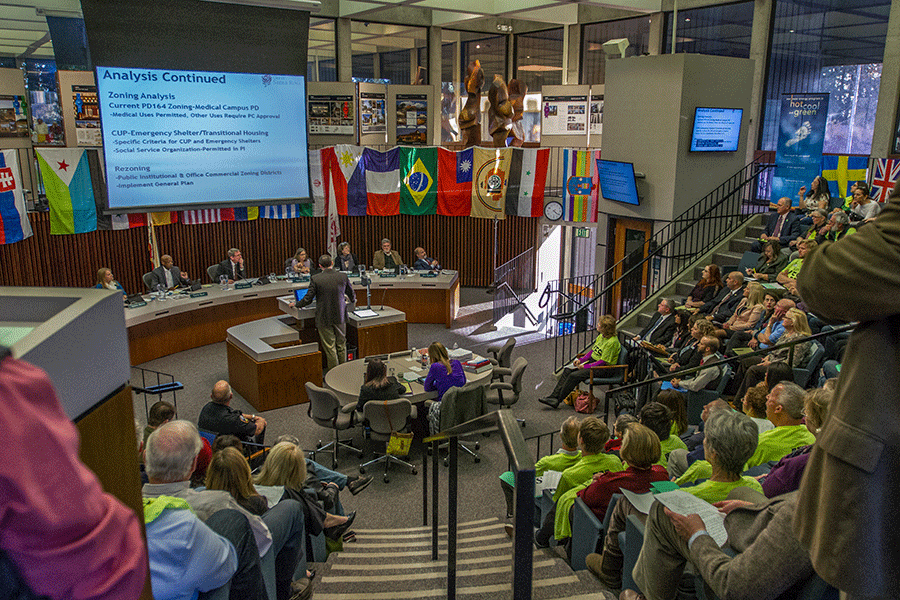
x=425 y=262
x=346 y=260
x=232 y=267
x=106 y=281
x=301 y=263
x=386 y=258
x=168 y=274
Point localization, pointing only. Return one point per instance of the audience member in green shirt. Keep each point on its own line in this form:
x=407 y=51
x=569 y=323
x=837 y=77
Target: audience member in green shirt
x=730 y=439
x=784 y=407
x=591 y=438
x=564 y=458
x=658 y=418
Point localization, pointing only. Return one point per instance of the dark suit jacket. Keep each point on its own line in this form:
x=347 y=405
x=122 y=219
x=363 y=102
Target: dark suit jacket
x=663 y=333
x=225 y=269
x=726 y=308
x=789 y=231
x=158 y=277
x=328 y=288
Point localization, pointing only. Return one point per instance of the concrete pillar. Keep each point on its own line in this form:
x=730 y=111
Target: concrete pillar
x=889 y=92
x=657 y=34
x=510 y=61
x=571 y=54
x=760 y=44
x=343 y=51
x=435 y=56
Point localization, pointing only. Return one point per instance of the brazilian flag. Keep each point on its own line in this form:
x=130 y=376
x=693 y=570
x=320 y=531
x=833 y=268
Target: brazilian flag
x=418 y=181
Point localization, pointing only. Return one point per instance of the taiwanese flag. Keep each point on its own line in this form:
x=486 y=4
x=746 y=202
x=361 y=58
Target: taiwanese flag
x=454 y=183
x=382 y=181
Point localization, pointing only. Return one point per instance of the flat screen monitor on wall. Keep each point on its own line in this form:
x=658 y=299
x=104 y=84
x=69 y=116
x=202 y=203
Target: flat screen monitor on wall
x=189 y=139
x=617 y=181
x=716 y=129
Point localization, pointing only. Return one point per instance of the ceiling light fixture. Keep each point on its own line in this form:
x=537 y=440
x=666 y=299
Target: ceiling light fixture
x=503 y=27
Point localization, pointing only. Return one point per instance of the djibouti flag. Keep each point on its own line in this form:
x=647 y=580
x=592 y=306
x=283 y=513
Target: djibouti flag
x=67 y=182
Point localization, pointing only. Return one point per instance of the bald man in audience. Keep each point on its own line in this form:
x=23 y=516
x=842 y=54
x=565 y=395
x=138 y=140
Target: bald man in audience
x=218 y=417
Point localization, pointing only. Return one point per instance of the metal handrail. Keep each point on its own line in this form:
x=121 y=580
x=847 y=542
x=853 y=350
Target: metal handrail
x=692 y=233
x=505 y=422
x=727 y=361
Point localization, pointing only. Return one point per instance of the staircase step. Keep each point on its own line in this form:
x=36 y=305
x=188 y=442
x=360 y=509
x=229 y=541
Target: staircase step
x=754 y=231
x=390 y=564
x=683 y=288
x=724 y=259
x=740 y=245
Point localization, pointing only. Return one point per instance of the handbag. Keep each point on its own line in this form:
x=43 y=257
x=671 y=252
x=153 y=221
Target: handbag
x=586 y=403
x=399 y=442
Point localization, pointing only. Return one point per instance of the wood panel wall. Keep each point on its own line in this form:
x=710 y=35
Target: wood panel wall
x=461 y=243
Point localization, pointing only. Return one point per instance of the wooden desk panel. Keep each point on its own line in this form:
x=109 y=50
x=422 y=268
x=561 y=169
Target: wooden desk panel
x=274 y=383
x=378 y=339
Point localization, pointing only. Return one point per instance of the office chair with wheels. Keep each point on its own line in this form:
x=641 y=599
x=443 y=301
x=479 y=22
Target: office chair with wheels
x=325 y=409
x=383 y=418
x=507 y=393
x=502 y=360
x=148 y=280
x=213 y=272
x=461 y=404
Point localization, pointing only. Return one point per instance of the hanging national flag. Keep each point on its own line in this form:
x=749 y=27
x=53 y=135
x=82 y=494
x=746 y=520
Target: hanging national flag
x=454 y=183
x=887 y=171
x=382 y=181
x=128 y=221
x=14 y=223
x=418 y=188
x=580 y=185
x=243 y=213
x=842 y=172
x=334 y=226
x=527 y=180
x=318 y=181
x=347 y=184
x=201 y=217
x=163 y=218
x=282 y=211
x=67 y=182
x=489 y=181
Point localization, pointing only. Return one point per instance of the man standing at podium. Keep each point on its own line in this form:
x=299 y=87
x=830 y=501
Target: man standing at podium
x=331 y=289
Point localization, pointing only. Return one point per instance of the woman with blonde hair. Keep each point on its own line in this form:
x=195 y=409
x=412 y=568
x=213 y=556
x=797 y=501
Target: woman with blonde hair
x=747 y=313
x=286 y=466
x=795 y=327
x=229 y=471
x=106 y=281
x=605 y=351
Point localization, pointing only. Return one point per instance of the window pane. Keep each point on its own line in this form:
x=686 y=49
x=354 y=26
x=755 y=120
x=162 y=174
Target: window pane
x=320 y=59
x=395 y=67
x=593 y=59
x=828 y=38
x=539 y=58
x=489 y=50
x=722 y=30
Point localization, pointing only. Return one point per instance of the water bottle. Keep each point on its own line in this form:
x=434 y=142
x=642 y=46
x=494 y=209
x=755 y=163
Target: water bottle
x=455 y=346
x=223 y=282
x=161 y=292
x=412 y=353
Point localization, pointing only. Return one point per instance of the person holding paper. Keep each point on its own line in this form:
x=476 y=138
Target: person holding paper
x=769 y=561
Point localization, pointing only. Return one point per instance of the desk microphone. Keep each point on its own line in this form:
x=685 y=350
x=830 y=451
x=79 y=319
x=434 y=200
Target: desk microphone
x=383 y=294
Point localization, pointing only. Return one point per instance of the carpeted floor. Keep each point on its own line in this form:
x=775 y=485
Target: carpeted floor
x=398 y=503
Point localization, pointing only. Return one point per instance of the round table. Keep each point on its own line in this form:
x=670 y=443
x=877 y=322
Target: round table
x=346 y=379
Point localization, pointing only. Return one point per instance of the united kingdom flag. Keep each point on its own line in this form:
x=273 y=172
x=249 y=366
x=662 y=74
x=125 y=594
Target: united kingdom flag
x=887 y=171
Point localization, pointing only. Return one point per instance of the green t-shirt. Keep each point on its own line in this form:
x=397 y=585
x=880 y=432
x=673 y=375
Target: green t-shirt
x=606 y=349
x=667 y=445
x=584 y=470
x=716 y=491
x=776 y=443
x=793 y=268
x=556 y=462
x=699 y=469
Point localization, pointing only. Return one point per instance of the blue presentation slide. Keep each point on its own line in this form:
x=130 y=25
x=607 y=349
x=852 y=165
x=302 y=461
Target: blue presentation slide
x=716 y=129
x=617 y=181
x=192 y=137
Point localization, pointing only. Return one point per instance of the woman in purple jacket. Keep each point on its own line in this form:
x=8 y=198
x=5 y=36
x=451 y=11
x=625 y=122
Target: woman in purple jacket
x=443 y=375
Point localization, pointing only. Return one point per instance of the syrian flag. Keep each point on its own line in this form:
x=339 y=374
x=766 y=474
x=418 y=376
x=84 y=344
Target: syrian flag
x=527 y=180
